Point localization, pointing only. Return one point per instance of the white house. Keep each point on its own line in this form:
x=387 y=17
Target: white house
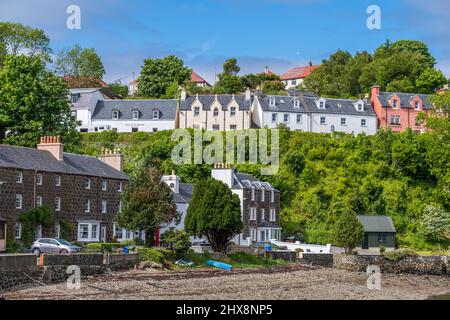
x=308 y=112
x=134 y=115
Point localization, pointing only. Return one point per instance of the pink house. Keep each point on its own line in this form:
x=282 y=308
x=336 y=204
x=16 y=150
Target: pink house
x=399 y=111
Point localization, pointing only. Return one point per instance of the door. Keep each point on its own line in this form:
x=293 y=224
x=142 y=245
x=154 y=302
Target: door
x=366 y=241
x=103 y=234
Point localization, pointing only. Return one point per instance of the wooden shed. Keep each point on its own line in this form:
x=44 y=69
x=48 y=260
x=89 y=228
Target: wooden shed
x=378 y=231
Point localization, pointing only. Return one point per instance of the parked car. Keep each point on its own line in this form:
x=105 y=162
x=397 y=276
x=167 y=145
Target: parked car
x=51 y=245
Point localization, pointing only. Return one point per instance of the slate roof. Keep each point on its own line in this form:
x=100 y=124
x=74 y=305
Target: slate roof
x=308 y=105
x=377 y=224
x=167 y=109
x=224 y=100
x=298 y=73
x=185 y=195
x=405 y=99
x=87 y=98
x=245 y=180
x=33 y=159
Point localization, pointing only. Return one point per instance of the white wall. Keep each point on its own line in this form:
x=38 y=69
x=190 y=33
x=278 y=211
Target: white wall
x=128 y=125
x=84 y=115
x=353 y=124
x=292 y=123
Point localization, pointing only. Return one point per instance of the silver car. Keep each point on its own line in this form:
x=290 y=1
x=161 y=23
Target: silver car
x=51 y=245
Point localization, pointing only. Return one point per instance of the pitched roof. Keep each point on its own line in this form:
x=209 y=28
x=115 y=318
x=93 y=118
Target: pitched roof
x=298 y=73
x=33 y=159
x=377 y=223
x=224 y=99
x=197 y=79
x=245 y=180
x=185 y=193
x=167 y=109
x=405 y=99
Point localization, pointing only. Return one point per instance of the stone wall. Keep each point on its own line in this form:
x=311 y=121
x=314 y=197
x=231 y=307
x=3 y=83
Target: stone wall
x=317 y=259
x=416 y=265
x=81 y=259
x=286 y=255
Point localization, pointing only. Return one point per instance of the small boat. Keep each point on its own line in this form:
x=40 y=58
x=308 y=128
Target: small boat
x=220 y=265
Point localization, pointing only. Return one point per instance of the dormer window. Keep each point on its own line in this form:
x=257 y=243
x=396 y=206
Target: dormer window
x=216 y=112
x=321 y=103
x=296 y=103
x=272 y=102
x=359 y=105
x=155 y=114
x=417 y=105
x=115 y=114
x=74 y=98
x=232 y=111
x=196 y=111
x=135 y=114
x=395 y=104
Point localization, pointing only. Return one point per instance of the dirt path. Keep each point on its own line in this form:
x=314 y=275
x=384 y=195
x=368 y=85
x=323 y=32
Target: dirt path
x=295 y=282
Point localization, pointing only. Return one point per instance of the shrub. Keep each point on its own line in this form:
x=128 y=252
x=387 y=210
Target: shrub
x=161 y=256
x=399 y=254
x=104 y=247
x=382 y=249
x=177 y=241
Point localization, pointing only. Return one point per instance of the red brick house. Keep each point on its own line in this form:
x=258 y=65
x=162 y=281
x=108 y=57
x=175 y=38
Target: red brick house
x=399 y=111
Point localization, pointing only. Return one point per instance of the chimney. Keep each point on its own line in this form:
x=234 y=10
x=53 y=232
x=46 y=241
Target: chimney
x=53 y=145
x=266 y=70
x=173 y=181
x=375 y=91
x=113 y=158
x=248 y=95
x=183 y=94
x=223 y=172
x=310 y=64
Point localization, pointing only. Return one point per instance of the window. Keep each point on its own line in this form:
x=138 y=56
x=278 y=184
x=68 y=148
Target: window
x=115 y=115
x=57 y=204
x=395 y=120
x=135 y=114
x=73 y=98
x=216 y=127
x=57 y=231
x=296 y=103
x=120 y=206
x=118 y=231
x=360 y=107
x=263 y=195
x=272 y=195
x=363 y=122
x=417 y=121
x=155 y=129
x=323 y=120
x=322 y=104
x=263 y=214
x=104 y=185
x=299 y=119
x=83 y=231
x=252 y=215
x=39 y=179
x=253 y=194
x=120 y=187
x=417 y=105
x=395 y=104
x=196 y=111
x=58 y=181
x=104 y=207
x=87 y=206
x=155 y=114
x=233 y=127
x=74 y=114
x=88 y=232
x=38 y=201
x=272 y=102
x=18 y=201
x=252 y=234
x=232 y=111
x=273 y=216
x=343 y=121
x=274 y=117
x=382 y=237
x=294 y=82
x=87 y=184
x=134 y=129
x=18 y=230
x=286 y=118
x=216 y=112
x=19 y=177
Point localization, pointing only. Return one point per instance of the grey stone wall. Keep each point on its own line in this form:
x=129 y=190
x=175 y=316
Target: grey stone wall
x=286 y=255
x=82 y=259
x=317 y=259
x=416 y=265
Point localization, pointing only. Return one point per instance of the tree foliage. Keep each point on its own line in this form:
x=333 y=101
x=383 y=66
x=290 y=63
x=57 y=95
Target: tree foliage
x=159 y=75
x=119 y=89
x=435 y=224
x=33 y=103
x=177 y=241
x=147 y=203
x=32 y=219
x=214 y=212
x=348 y=231
x=79 y=63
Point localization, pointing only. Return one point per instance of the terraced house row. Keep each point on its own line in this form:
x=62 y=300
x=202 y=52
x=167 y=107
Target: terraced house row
x=98 y=111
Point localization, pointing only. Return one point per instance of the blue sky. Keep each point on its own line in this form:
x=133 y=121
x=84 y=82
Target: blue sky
x=278 y=33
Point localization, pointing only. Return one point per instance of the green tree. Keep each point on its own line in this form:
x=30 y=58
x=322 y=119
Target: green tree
x=430 y=80
x=214 y=212
x=147 y=203
x=119 y=89
x=32 y=219
x=435 y=224
x=79 y=63
x=34 y=103
x=15 y=38
x=348 y=231
x=274 y=87
x=228 y=84
x=231 y=67
x=157 y=75
x=178 y=241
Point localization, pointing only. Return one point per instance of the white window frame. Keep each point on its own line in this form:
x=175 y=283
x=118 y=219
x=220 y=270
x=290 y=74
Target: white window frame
x=232 y=111
x=90 y=228
x=196 y=111
x=19 y=177
x=18 y=231
x=395 y=104
x=296 y=103
x=273 y=215
x=155 y=114
x=58 y=181
x=87 y=184
x=87 y=206
x=274 y=117
x=39 y=179
x=417 y=105
x=263 y=214
x=135 y=114
x=272 y=195
x=120 y=189
x=324 y=122
x=58 y=204
x=344 y=122
x=39 y=201
x=299 y=118
x=120 y=206
x=57 y=231
x=272 y=102
x=215 y=112
x=115 y=115
x=104 y=185
x=104 y=206
x=263 y=195
x=252 y=215
x=286 y=118
x=19 y=201
x=364 y=123
x=253 y=194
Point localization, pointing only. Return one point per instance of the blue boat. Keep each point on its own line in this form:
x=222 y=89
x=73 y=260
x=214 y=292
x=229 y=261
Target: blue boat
x=220 y=265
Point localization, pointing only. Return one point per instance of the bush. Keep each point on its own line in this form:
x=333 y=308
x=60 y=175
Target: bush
x=105 y=247
x=177 y=241
x=382 y=249
x=161 y=256
x=399 y=254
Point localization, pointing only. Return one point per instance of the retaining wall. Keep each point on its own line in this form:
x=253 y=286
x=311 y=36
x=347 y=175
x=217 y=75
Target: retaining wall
x=317 y=259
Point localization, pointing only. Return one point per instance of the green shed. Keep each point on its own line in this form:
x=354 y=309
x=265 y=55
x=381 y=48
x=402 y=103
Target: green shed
x=378 y=230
